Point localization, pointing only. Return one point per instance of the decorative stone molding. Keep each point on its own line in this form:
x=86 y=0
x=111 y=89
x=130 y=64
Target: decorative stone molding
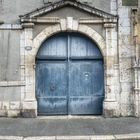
x=112 y=84
x=10 y=27
x=97 y=21
x=27 y=25
x=61 y=3
x=137 y=90
x=12 y=83
x=29 y=104
x=57 y=28
x=136 y=67
x=41 y=20
x=65 y=25
x=109 y=25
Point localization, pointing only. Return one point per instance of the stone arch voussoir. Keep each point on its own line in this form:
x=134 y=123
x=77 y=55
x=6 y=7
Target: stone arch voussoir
x=88 y=31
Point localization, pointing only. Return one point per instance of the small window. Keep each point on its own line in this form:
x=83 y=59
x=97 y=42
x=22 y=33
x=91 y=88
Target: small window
x=130 y=2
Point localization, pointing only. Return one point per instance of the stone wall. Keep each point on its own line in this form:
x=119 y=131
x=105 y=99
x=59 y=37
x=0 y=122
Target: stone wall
x=10 y=54
x=10 y=72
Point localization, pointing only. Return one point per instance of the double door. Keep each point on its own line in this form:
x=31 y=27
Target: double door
x=69 y=76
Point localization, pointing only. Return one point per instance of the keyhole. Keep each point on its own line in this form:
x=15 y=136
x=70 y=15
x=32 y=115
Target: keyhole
x=52 y=87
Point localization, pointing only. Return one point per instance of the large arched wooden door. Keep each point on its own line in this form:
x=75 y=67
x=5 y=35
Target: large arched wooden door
x=69 y=76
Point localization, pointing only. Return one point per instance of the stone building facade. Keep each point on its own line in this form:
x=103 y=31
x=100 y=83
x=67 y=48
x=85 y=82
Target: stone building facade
x=112 y=24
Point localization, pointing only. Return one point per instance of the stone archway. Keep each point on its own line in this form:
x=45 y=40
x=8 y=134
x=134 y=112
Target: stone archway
x=30 y=100
x=69 y=76
x=96 y=37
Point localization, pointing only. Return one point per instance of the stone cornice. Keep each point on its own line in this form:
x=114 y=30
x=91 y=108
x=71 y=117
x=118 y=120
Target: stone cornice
x=55 y=20
x=41 y=20
x=10 y=27
x=94 y=21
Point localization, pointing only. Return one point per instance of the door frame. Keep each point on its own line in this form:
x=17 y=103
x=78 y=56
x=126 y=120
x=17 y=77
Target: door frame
x=42 y=62
x=28 y=61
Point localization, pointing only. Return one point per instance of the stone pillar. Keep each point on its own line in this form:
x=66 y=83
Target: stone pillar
x=29 y=105
x=136 y=30
x=137 y=91
x=126 y=58
x=112 y=85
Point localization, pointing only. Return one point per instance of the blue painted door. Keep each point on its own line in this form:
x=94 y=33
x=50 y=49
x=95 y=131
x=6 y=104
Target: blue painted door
x=52 y=91
x=69 y=76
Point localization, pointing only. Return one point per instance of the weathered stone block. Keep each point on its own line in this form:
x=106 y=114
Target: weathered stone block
x=73 y=138
x=113 y=5
x=28 y=42
x=63 y=24
x=127 y=51
x=22 y=48
x=127 y=87
x=126 y=70
x=29 y=33
x=10 y=138
x=56 y=28
x=125 y=40
x=83 y=28
x=29 y=113
x=111 y=109
x=69 y=23
x=3 y=113
x=125 y=22
x=112 y=34
x=41 y=138
x=109 y=61
x=124 y=12
x=127 y=136
x=13 y=113
x=110 y=113
x=125 y=98
x=5 y=105
x=14 y=105
x=29 y=105
x=138 y=33
x=36 y=43
x=125 y=30
x=107 y=137
x=75 y=25
x=127 y=110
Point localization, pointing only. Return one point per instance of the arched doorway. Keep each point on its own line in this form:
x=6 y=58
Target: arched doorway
x=69 y=76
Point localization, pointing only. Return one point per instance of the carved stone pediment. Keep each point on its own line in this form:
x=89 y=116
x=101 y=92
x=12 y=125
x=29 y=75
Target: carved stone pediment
x=36 y=15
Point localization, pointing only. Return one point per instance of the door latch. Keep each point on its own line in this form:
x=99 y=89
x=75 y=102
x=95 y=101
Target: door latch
x=52 y=87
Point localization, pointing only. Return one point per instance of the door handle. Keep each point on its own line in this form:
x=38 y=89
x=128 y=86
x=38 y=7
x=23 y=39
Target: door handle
x=52 y=87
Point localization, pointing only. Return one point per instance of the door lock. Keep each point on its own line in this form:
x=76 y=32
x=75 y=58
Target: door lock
x=52 y=87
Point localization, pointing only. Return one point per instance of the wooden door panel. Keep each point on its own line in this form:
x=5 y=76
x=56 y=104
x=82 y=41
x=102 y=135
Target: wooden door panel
x=69 y=76
x=86 y=87
x=51 y=87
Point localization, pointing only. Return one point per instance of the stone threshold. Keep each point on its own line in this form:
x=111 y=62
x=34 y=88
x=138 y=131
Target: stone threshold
x=134 y=136
x=61 y=117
